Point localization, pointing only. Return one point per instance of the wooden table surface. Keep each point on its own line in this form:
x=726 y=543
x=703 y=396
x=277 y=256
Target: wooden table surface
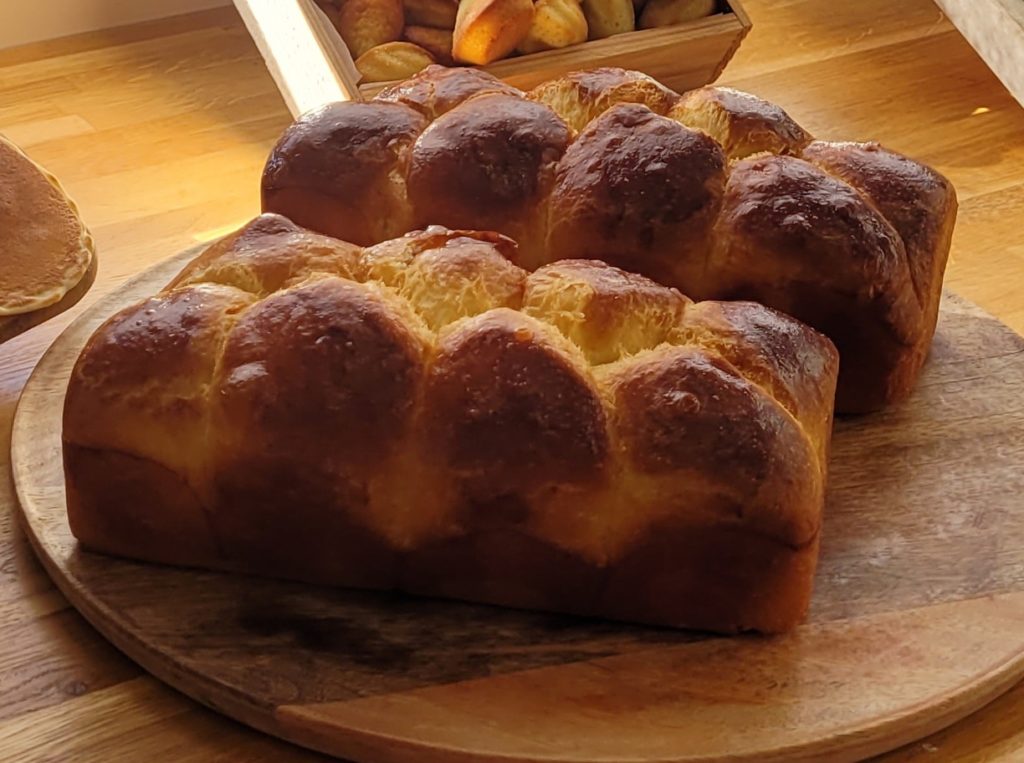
x=160 y=132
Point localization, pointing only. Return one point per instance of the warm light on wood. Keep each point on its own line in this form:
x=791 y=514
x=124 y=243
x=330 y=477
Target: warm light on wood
x=897 y=645
x=305 y=55
x=160 y=133
x=301 y=46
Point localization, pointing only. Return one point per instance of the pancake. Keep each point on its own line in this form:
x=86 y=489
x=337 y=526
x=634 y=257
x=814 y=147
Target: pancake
x=45 y=249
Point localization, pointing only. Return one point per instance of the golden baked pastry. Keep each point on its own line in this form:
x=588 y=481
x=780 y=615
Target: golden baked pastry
x=556 y=24
x=608 y=17
x=46 y=251
x=366 y=24
x=423 y=415
x=392 y=60
x=715 y=192
x=486 y=30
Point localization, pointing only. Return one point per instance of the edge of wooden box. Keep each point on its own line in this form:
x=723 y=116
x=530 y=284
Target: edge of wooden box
x=653 y=51
x=309 y=75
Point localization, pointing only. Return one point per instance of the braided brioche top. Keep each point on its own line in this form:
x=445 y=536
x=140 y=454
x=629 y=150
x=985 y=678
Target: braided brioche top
x=716 y=192
x=429 y=383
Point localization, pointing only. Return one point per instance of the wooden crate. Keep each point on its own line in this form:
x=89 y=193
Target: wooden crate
x=302 y=52
x=996 y=30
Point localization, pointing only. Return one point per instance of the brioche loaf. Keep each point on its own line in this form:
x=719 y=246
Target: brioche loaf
x=423 y=415
x=715 y=192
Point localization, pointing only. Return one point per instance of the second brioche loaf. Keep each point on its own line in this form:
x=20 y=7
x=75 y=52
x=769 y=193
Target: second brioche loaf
x=716 y=192
x=424 y=415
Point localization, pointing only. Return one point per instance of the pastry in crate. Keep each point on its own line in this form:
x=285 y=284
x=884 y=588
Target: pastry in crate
x=393 y=39
x=715 y=192
x=424 y=415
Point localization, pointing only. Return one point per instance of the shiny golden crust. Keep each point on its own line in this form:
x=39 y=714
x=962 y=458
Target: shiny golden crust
x=315 y=386
x=510 y=411
x=641 y=185
x=638 y=191
x=495 y=156
x=685 y=410
x=446 y=276
x=819 y=229
x=437 y=90
x=580 y=97
x=921 y=206
x=423 y=414
x=344 y=164
x=269 y=254
x=606 y=312
x=45 y=248
x=325 y=371
x=794 y=237
x=916 y=200
x=142 y=385
x=785 y=357
x=742 y=123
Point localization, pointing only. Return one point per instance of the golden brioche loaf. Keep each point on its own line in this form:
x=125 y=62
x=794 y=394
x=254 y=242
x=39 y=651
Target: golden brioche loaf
x=715 y=192
x=423 y=415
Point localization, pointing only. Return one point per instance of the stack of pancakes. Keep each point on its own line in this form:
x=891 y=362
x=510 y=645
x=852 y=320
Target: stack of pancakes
x=47 y=260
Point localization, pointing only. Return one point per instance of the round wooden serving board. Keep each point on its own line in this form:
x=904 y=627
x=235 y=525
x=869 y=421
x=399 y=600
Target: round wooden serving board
x=918 y=616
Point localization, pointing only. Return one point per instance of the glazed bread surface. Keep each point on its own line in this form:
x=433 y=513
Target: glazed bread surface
x=715 y=192
x=424 y=415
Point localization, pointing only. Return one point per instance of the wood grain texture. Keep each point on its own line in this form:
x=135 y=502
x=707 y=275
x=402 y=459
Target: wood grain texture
x=996 y=30
x=921 y=577
x=160 y=132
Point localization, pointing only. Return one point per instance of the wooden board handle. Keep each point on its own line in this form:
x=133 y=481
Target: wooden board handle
x=304 y=52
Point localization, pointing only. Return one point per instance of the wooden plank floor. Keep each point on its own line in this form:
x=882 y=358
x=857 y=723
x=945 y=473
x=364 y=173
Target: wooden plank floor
x=160 y=133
